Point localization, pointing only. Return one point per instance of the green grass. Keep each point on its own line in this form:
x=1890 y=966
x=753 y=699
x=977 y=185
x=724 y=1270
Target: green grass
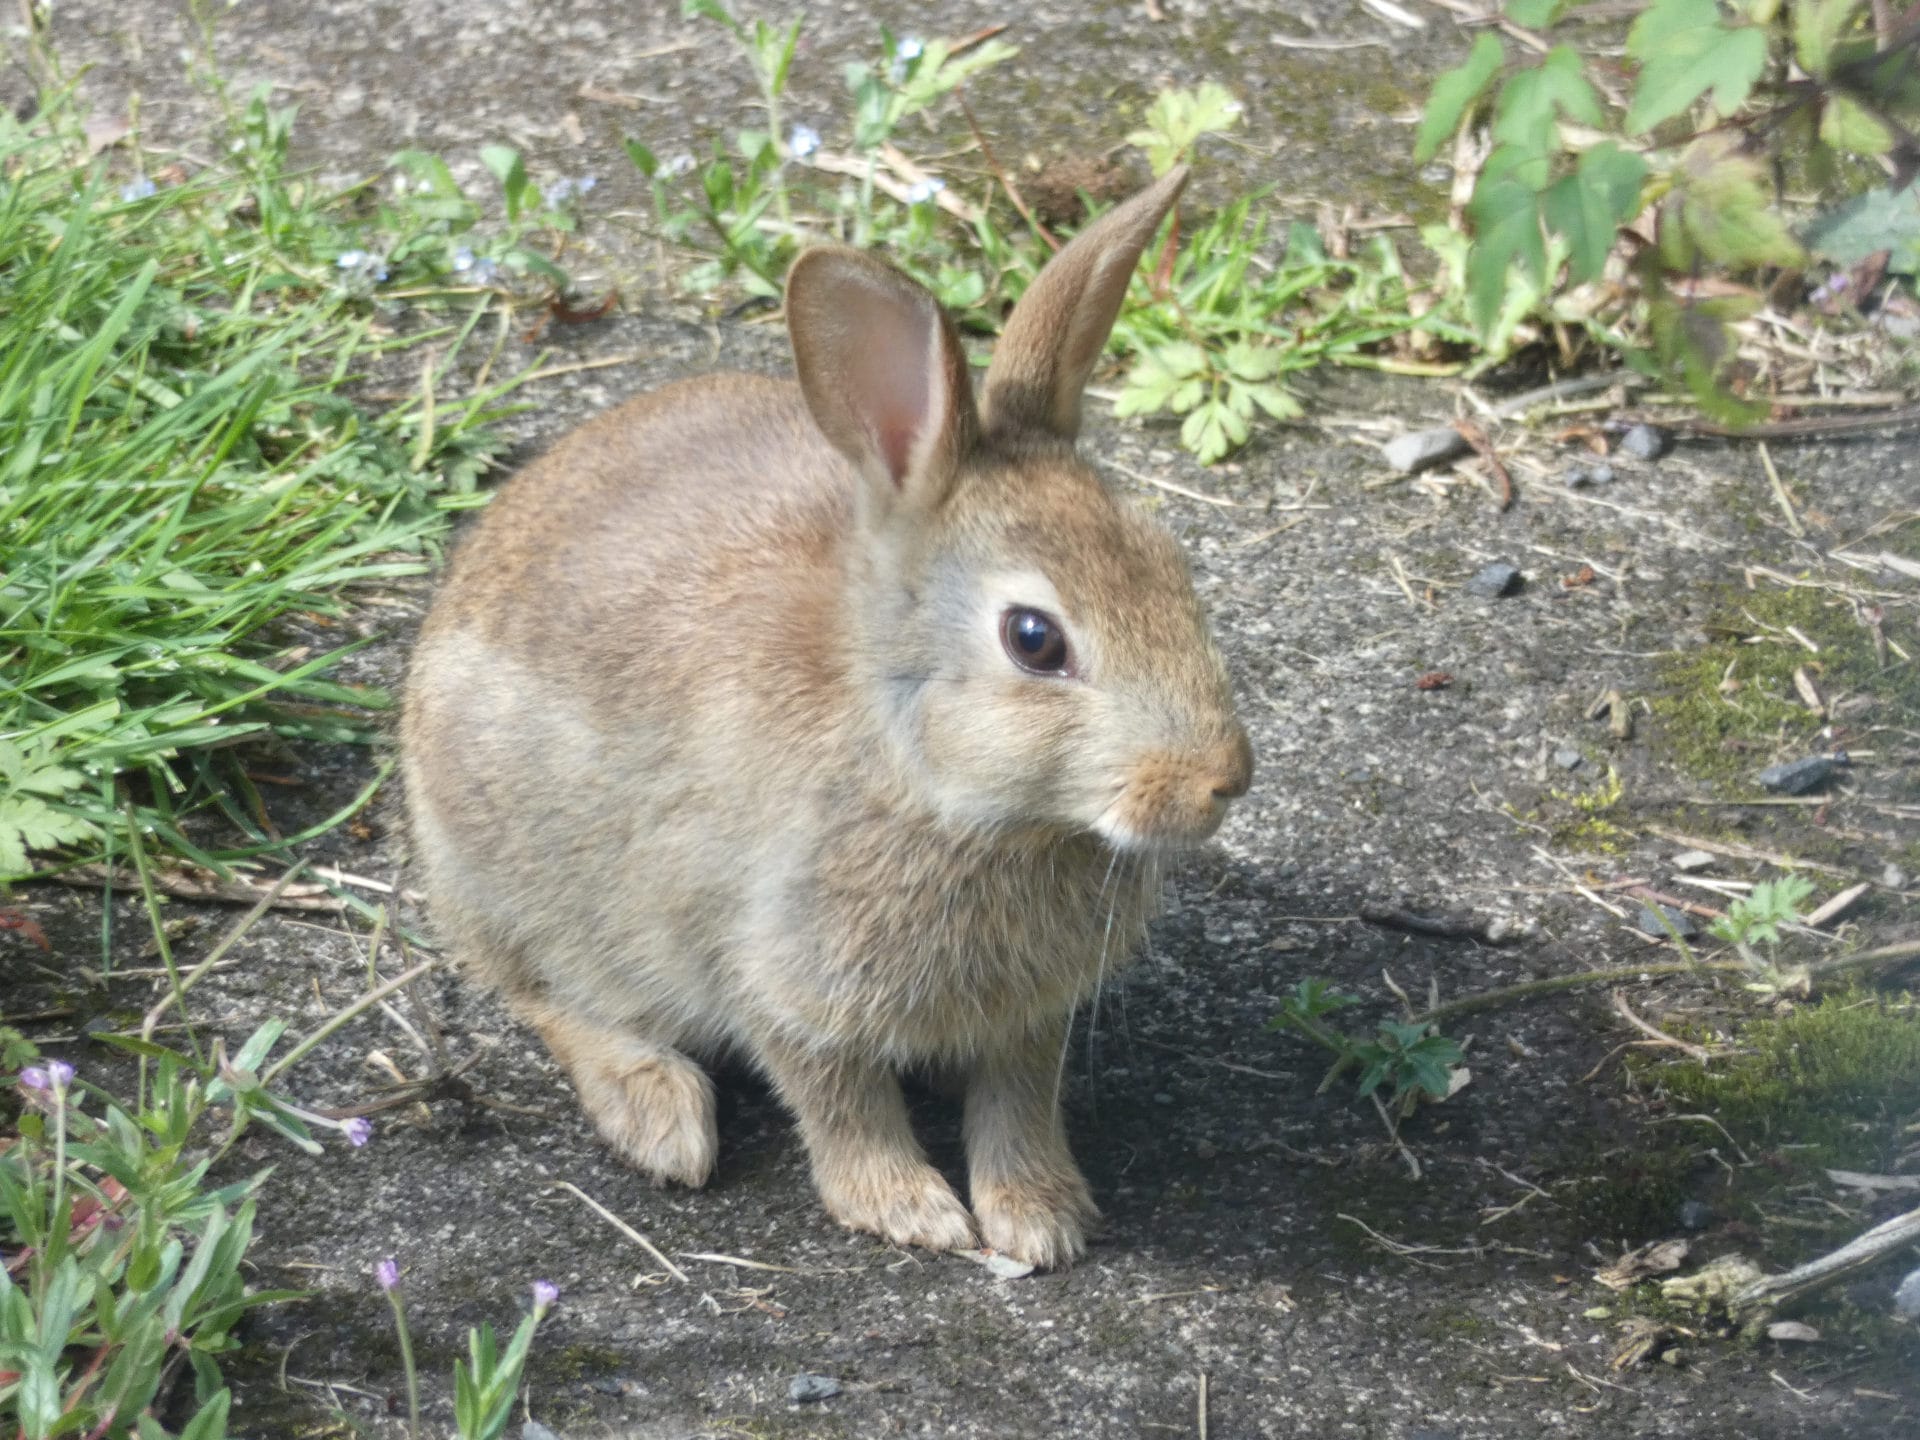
x=190 y=498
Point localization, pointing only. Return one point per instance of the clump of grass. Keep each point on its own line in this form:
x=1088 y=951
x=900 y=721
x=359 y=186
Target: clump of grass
x=189 y=496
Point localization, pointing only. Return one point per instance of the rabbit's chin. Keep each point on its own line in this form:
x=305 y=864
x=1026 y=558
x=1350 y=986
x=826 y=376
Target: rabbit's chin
x=1126 y=839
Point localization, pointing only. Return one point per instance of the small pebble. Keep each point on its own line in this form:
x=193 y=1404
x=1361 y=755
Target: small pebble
x=1691 y=860
x=1792 y=1330
x=1797 y=777
x=1502 y=577
x=1418 y=449
x=1695 y=1215
x=1568 y=759
x=1581 y=476
x=1649 y=922
x=805 y=1389
x=1907 y=1298
x=1893 y=878
x=1502 y=928
x=1161 y=1097
x=534 y=1430
x=1645 y=442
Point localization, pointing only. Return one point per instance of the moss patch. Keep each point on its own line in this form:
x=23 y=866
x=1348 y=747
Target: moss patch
x=1832 y=1084
x=1726 y=735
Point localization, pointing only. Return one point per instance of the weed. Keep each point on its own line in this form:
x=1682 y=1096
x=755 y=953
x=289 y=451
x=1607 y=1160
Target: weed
x=1718 y=101
x=188 y=495
x=1410 y=1058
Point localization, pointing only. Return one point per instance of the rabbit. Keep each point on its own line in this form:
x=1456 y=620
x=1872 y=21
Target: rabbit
x=842 y=726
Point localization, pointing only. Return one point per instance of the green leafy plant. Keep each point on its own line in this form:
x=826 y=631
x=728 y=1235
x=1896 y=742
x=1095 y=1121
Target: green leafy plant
x=1756 y=918
x=123 y=1262
x=1408 y=1058
x=1721 y=98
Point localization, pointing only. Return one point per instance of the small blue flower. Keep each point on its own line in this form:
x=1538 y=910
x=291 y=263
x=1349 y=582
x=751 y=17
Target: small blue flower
x=352 y=259
x=679 y=165
x=565 y=189
x=545 y=1292
x=802 y=141
x=922 y=191
x=909 y=49
x=139 y=188
x=387 y=1272
x=475 y=269
x=358 y=1131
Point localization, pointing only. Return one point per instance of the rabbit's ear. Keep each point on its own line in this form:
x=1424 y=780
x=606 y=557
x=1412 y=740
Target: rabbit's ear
x=883 y=373
x=1057 y=331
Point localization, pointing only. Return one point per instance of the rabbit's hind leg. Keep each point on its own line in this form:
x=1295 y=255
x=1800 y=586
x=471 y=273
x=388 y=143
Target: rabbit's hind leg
x=650 y=1102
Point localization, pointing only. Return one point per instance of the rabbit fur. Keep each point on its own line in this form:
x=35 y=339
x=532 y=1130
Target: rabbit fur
x=715 y=741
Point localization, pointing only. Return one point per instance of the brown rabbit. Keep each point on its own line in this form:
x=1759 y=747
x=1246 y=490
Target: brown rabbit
x=838 y=724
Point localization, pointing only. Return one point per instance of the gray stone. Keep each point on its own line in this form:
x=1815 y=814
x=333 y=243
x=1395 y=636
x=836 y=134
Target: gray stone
x=1695 y=1215
x=1907 y=1298
x=1797 y=777
x=1581 y=476
x=1645 y=442
x=1691 y=860
x=1502 y=577
x=805 y=1389
x=1893 y=878
x=1418 y=449
x=1649 y=921
x=534 y=1430
x=1568 y=758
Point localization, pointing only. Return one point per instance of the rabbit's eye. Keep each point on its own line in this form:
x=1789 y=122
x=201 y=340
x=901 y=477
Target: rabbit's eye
x=1035 y=641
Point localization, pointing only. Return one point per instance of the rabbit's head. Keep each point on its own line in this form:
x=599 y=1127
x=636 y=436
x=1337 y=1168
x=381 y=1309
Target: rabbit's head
x=1032 y=642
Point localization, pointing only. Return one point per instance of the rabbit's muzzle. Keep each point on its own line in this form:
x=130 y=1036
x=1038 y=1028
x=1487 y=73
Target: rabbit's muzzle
x=1174 y=799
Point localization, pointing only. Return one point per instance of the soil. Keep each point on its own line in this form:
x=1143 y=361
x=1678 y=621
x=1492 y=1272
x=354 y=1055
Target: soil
x=1269 y=1265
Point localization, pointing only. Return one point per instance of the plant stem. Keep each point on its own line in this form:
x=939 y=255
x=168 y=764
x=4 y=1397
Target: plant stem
x=406 y=1363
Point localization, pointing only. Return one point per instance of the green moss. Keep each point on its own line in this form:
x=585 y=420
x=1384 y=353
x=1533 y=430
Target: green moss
x=1724 y=736
x=576 y=1362
x=1628 y=1196
x=1590 y=829
x=1832 y=1084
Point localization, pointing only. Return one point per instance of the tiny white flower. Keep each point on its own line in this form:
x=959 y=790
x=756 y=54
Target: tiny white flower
x=922 y=191
x=910 y=49
x=802 y=141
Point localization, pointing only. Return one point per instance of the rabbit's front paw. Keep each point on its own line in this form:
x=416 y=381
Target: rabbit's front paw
x=904 y=1203
x=1043 y=1222
x=653 y=1104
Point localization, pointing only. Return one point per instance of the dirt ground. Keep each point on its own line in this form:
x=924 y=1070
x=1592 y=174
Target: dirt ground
x=1268 y=1267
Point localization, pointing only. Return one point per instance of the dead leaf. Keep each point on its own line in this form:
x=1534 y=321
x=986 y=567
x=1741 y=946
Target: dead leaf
x=1656 y=1259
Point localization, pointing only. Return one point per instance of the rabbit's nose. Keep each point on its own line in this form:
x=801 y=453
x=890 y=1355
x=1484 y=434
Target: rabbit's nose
x=1233 y=768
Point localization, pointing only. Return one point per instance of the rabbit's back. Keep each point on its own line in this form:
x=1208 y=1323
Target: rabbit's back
x=632 y=625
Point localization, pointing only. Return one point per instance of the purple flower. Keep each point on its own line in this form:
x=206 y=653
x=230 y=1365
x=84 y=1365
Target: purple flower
x=545 y=1292
x=358 y=1130
x=35 y=1077
x=387 y=1272
x=139 y=188
x=61 y=1073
